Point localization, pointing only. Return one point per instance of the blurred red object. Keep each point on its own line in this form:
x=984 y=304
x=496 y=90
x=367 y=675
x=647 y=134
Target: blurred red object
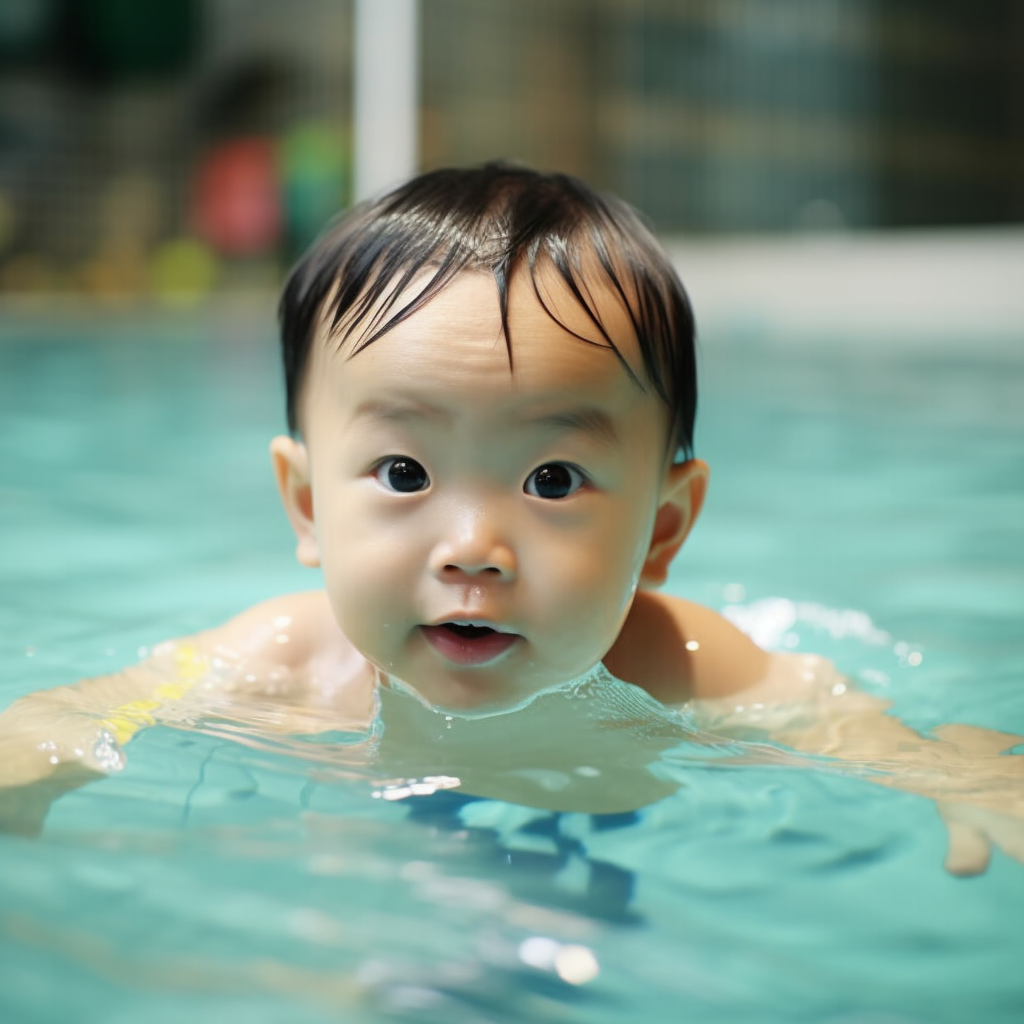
x=236 y=203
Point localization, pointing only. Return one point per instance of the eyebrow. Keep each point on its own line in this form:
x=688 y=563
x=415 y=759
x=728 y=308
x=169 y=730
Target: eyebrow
x=401 y=410
x=585 y=419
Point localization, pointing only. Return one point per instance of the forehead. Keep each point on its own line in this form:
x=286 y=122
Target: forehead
x=447 y=366
x=553 y=332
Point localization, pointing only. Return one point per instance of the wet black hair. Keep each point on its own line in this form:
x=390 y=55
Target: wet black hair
x=499 y=218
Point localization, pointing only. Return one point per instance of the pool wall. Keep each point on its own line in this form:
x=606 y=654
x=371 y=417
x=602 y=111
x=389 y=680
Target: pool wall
x=928 y=290
x=945 y=291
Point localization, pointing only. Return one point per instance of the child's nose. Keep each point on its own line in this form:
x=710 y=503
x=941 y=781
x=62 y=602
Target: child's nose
x=474 y=546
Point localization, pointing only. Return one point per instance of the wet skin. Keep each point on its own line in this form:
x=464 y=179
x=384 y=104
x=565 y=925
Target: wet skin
x=483 y=528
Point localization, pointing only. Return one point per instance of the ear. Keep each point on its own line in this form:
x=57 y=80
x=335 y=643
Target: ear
x=682 y=495
x=291 y=470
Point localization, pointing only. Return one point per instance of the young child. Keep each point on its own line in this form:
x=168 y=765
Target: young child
x=491 y=392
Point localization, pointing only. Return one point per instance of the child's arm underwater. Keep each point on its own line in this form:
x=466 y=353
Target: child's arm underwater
x=56 y=740
x=53 y=741
x=802 y=702
x=978 y=786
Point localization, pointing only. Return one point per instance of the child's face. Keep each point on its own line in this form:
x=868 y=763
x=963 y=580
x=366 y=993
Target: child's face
x=439 y=489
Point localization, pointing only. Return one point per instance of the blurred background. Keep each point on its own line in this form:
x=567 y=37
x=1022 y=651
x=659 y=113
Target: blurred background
x=170 y=150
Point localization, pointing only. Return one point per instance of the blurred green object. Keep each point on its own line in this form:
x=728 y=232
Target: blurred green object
x=112 y=41
x=315 y=174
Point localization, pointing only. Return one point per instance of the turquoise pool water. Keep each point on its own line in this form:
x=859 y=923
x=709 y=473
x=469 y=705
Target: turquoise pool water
x=866 y=504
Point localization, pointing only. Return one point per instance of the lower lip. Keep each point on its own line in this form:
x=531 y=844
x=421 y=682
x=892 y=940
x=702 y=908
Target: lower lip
x=462 y=650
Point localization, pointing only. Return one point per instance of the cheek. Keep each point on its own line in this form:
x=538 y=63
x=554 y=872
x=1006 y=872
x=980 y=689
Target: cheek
x=362 y=595
x=594 y=575
x=363 y=569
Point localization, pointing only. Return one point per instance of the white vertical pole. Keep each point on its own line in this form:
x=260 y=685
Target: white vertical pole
x=385 y=94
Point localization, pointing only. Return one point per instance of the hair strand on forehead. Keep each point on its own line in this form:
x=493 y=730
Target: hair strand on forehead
x=502 y=219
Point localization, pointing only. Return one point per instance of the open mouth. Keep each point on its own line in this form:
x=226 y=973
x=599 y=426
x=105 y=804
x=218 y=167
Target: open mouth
x=464 y=644
x=467 y=632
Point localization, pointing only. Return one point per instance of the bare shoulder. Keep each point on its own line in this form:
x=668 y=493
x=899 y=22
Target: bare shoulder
x=678 y=650
x=293 y=631
x=289 y=639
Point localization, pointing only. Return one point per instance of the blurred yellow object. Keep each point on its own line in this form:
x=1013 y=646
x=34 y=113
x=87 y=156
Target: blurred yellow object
x=183 y=271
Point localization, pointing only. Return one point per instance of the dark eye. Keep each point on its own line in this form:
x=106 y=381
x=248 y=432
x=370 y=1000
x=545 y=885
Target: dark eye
x=554 y=480
x=402 y=475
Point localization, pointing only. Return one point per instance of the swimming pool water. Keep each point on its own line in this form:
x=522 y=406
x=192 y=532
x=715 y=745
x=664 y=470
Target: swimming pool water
x=864 y=503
